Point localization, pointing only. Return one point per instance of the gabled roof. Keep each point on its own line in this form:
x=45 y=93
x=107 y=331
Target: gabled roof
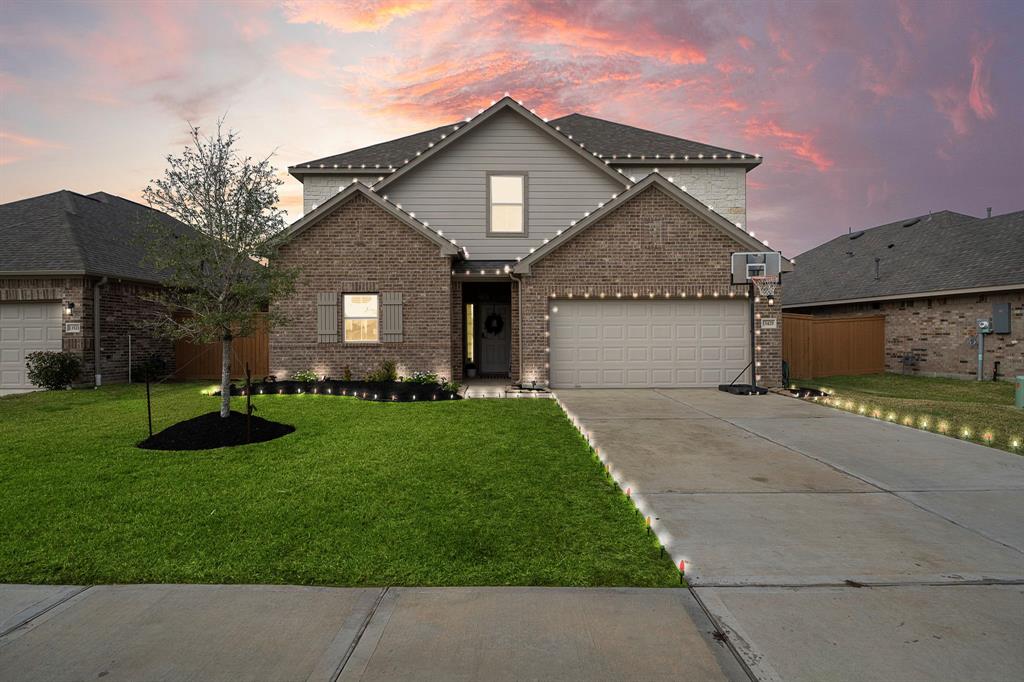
x=65 y=233
x=446 y=246
x=672 y=190
x=616 y=143
x=628 y=144
x=939 y=252
x=458 y=131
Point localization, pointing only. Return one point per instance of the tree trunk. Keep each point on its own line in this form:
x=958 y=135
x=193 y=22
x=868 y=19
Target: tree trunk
x=225 y=376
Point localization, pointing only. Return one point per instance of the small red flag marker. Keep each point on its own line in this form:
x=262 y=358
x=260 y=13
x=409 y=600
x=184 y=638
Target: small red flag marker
x=682 y=570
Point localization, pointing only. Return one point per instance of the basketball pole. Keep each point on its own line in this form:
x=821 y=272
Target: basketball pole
x=753 y=343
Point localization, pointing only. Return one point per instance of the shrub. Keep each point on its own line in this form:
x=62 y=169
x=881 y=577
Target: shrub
x=346 y=374
x=153 y=367
x=386 y=372
x=452 y=386
x=424 y=378
x=306 y=375
x=52 y=369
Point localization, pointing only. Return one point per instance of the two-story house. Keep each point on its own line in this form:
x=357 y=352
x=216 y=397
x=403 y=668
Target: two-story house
x=571 y=252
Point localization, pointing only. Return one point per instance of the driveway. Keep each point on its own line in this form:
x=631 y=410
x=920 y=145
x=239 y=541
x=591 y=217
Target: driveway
x=827 y=545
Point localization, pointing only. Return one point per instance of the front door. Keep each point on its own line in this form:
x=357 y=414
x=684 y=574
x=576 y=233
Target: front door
x=493 y=337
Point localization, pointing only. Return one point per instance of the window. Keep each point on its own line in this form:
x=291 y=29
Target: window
x=360 y=318
x=469 y=332
x=507 y=210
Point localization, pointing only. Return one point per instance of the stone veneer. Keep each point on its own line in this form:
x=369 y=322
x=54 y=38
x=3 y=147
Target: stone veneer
x=936 y=330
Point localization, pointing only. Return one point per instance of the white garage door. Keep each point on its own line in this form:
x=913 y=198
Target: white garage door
x=648 y=344
x=24 y=328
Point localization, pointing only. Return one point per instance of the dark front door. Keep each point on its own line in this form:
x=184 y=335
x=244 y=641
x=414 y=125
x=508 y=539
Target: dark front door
x=493 y=336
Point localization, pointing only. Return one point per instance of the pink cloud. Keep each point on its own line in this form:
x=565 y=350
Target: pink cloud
x=305 y=61
x=352 y=16
x=15 y=147
x=801 y=145
x=979 y=97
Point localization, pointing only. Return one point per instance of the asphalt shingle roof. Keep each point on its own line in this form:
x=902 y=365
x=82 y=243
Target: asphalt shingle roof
x=606 y=138
x=938 y=252
x=65 y=232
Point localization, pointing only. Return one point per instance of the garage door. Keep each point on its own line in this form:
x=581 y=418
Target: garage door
x=24 y=328
x=648 y=344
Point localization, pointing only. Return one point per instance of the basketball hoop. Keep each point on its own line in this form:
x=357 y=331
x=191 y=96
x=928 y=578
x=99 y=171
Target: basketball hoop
x=766 y=285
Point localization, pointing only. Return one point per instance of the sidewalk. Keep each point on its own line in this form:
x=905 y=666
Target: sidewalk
x=266 y=632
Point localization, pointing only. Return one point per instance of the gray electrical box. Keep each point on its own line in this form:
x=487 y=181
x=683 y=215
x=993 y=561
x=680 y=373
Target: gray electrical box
x=1001 y=318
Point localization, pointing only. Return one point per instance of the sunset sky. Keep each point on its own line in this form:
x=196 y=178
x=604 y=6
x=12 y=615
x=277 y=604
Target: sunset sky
x=865 y=112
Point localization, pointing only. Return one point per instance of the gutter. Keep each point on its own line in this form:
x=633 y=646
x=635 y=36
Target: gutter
x=96 y=331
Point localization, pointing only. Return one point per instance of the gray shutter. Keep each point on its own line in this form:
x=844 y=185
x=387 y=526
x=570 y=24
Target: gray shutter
x=327 y=317
x=391 y=316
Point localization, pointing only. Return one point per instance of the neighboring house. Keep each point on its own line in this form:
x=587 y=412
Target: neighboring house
x=575 y=252
x=932 y=277
x=71 y=279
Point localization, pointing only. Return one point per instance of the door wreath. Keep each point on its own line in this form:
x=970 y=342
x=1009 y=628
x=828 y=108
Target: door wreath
x=494 y=324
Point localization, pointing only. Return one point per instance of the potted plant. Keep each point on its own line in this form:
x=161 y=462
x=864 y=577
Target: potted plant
x=470 y=370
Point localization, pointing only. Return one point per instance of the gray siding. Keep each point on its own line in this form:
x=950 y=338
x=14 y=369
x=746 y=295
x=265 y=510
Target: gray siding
x=316 y=189
x=450 y=190
x=724 y=187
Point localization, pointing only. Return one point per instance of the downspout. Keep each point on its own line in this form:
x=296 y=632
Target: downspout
x=519 y=319
x=96 y=330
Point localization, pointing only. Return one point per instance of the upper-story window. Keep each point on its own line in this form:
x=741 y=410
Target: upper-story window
x=507 y=198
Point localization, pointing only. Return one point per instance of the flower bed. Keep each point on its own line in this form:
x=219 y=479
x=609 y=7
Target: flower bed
x=380 y=391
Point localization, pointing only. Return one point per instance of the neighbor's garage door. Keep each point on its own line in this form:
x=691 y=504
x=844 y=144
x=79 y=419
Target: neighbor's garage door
x=645 y=344
x=25 y=327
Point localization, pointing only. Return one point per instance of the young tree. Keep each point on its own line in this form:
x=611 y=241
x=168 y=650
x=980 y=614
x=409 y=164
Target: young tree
x=219 y=276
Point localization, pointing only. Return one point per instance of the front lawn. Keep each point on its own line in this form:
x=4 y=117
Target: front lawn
x=980 y=411
x=472 y=492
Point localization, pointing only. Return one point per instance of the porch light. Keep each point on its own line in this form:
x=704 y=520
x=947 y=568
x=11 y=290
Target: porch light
x=69 y=308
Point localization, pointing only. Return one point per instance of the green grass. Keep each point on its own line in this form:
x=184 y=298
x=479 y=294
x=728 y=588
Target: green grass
x=474 y=492
x=980 y=407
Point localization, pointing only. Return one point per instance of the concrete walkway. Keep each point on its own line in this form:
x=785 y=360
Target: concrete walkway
x=270 y=633
x=827 y=545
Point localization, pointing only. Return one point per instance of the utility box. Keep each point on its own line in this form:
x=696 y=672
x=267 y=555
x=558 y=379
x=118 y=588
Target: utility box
x=1000 y=318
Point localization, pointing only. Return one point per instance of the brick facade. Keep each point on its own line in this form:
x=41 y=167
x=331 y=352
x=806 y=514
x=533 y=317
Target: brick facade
x=650 y=244
x=936 y=331
x=360 y=248
x=122 y=310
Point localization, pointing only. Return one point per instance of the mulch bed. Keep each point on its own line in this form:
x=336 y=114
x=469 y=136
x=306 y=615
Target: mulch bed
x=210 y=431
x=381 y=391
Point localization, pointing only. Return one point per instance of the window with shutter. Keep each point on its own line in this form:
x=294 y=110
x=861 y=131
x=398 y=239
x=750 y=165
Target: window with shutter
x=391 y=316
x=327 y=317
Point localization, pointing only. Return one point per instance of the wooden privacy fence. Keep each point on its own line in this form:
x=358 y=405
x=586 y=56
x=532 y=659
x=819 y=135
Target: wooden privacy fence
x=202 y=360
x=830 y=346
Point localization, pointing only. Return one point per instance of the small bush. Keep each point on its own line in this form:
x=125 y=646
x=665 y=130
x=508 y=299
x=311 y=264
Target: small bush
x=306 y=375
x=52 y=370
x=452 y=386
x=346 y=374
x=386 y=372
x=424 y=378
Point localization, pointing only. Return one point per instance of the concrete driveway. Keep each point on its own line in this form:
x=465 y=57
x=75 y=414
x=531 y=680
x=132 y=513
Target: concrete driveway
x=827 y=545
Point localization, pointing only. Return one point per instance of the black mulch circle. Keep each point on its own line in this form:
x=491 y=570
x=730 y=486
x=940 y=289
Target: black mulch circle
x=210 y=431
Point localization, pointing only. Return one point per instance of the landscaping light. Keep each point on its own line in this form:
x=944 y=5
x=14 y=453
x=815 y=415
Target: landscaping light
x=648 y=525
x=682 y=570
x=966 y=433
x=629 y=492
x=1015 y=443
x=987 y=436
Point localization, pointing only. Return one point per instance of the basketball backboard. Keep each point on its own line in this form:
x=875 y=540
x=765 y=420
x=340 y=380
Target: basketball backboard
x=748 y=264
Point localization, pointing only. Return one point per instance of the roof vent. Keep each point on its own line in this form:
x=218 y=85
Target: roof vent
x=857 y=235
x=912 y=222
x=891 y=245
